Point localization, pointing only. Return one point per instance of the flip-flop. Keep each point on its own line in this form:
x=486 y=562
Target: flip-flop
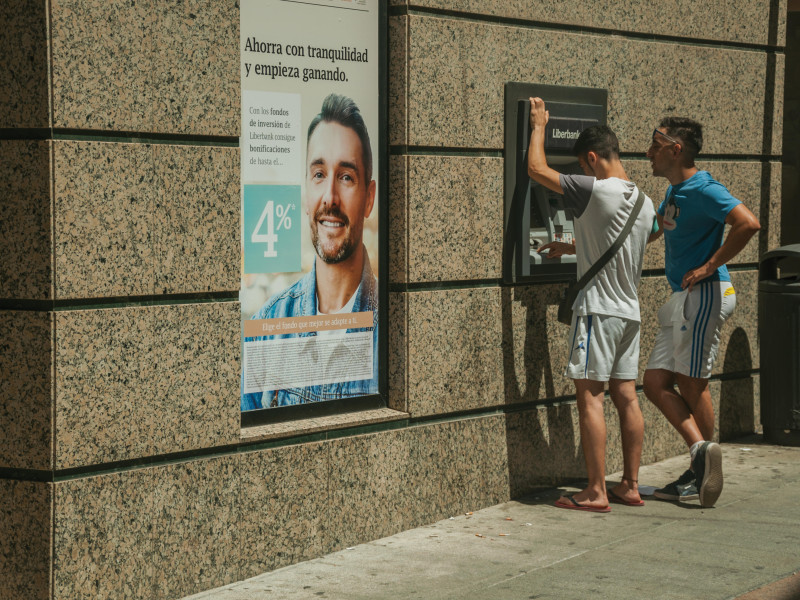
x=575 y=506
x=620 y=500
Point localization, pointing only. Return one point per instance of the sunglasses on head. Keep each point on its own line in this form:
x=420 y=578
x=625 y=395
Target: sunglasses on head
x=661 y=133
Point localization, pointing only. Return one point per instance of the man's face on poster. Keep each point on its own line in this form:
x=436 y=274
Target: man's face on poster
x=338 y=196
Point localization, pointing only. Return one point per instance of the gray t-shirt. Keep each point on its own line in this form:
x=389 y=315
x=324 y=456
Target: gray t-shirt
x=601 y=208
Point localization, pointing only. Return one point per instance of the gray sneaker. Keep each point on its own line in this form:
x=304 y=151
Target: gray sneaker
x=681 y=489
x=707 y=467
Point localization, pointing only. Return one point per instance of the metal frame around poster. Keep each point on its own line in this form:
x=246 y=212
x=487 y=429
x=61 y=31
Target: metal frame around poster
x=358 y=403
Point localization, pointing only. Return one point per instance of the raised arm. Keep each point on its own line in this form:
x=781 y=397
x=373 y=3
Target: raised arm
x=537 y=163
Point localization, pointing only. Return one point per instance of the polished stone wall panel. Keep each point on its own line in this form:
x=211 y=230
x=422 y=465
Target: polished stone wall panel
x=100 y=65
x=773 y=123
x=415 y=476
x=196 y=219
x=398 y=80
x=25 y=220
x=368 y=488
x=398 y=351
x=283 y=499
x=142 y=219
x=105 y=537
x=195 y=66
x=23 y=78
x=103 y=210
x=146 y=66
x=176 y=529
x=771 y=210
x=142 y=381
x=535 y=348
x=543 y=447
x=398 y=218
x=458 y=466
x=456 y=335
x=737 y=406
x=741 y=21
x=26 y=407
x=455 y=90
x=196 y=521
x=455 y=218
x=26 y=509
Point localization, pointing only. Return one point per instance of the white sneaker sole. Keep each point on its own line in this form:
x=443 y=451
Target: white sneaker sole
x=711 y=487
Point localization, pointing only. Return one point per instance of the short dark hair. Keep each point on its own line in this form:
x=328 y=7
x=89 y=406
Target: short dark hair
x=342 y=110
x=688 y=131
x=599 y=139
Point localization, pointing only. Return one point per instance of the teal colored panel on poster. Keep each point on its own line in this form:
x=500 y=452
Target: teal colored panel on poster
x=271 y=215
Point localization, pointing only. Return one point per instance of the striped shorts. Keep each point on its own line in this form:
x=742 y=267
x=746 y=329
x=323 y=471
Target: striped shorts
x=690 y=324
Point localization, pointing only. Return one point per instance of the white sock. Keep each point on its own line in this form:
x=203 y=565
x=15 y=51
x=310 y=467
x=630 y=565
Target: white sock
x=693 y=449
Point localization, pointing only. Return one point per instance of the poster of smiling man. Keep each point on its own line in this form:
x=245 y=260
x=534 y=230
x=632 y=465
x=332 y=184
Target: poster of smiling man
x=310 y=114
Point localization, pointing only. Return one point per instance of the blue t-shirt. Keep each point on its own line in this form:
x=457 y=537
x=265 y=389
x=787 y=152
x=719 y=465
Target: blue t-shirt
x=694 y=214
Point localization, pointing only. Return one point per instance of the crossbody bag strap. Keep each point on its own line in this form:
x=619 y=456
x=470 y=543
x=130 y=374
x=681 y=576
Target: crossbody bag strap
x=601 y=262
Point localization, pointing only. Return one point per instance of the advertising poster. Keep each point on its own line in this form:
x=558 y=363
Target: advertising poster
x=309 y=158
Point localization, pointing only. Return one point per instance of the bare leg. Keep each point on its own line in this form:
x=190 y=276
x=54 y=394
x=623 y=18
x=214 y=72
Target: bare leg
x=697 y=396
x=623 y=394
x=593 y=440
x=659 y=387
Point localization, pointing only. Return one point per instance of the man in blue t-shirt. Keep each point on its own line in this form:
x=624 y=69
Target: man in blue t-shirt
x=692 y=217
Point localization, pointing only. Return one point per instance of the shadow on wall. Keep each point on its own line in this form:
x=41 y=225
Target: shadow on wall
x=541 y=443
x=737 y=396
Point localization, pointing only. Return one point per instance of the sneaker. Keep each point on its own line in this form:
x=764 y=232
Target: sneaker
x=707 y=467
x=681 y=489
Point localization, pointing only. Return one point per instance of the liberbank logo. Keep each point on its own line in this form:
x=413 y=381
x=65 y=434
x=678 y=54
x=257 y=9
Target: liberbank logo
x=562 y=134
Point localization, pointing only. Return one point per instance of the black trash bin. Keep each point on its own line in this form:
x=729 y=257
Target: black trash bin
x=779 y=333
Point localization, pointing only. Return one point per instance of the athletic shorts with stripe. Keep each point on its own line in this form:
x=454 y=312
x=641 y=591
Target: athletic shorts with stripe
x=603 y=348
x=690 y=324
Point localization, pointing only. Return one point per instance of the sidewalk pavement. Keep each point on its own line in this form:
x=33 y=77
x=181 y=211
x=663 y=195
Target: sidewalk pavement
x=528 y=549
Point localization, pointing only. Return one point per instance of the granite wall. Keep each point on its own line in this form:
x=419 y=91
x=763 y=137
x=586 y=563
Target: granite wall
x=124 y=472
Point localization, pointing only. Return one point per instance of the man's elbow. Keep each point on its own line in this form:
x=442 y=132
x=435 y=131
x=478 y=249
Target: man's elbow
x=752 y=226
x=535 y=170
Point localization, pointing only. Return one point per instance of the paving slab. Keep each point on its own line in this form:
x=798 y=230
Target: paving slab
x=528 y=549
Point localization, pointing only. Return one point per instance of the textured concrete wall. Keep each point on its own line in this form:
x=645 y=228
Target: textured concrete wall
x=124 y=469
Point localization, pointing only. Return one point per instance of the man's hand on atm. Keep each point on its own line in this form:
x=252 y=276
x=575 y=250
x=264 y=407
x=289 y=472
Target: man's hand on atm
x=538 y=169
x=557 y=249
x=539 y=116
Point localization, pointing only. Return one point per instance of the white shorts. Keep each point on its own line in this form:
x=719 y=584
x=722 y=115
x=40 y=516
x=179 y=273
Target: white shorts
x=690 y=324
x=603 y=348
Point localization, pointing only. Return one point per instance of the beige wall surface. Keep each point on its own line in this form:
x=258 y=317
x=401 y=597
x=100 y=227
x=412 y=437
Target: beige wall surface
x=121 y=451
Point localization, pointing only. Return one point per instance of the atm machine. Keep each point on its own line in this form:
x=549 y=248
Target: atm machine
x=535 y=215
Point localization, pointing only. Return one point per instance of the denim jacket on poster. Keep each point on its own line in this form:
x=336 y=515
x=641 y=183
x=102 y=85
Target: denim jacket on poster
x=300 y=300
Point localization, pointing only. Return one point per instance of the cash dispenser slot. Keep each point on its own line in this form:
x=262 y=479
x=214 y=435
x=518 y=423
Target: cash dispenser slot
x=535 y=215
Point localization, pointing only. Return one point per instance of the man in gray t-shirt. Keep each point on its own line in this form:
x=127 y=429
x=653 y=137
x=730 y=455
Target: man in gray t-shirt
x=604 y=338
